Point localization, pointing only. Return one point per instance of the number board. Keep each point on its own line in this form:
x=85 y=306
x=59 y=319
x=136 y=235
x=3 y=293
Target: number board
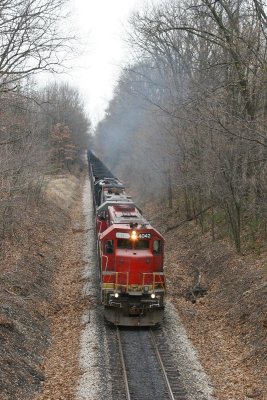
x=122 y=235
x=144 y=236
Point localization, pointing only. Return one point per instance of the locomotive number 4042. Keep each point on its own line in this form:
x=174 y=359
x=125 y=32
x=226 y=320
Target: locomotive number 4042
x=144 y=236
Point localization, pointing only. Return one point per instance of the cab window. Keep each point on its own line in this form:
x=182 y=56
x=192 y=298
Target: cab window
x=134 y=245
x=141 y=245
x=157 y=247
x=124 y=244
x=109 y=247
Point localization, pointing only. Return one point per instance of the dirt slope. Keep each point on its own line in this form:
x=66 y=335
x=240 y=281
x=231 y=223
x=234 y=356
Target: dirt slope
x=32 y=273
x=228 y=325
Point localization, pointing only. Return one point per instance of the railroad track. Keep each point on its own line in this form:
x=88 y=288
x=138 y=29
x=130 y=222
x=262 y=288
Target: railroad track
x=147 y=366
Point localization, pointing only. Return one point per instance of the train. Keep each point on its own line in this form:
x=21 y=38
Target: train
x=130 y=253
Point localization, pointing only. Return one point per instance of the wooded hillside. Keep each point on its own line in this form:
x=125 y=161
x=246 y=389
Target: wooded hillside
x=42 y=131
x=188 y=120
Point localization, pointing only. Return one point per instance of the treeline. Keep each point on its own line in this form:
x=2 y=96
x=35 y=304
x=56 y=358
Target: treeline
x=187 y=123
x=42 y=131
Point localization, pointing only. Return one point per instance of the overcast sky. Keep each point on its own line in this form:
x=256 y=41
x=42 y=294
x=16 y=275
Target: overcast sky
x=101 y=24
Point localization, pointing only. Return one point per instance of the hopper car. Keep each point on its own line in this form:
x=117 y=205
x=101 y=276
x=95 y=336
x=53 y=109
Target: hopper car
x=130 y=253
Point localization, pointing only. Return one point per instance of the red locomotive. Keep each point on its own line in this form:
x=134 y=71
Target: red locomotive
x=130 y=253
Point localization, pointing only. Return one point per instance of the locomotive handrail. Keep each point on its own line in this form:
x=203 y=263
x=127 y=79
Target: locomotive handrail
x=154 y=279
x=103 y=255
x=116 y=283
x=117 y=278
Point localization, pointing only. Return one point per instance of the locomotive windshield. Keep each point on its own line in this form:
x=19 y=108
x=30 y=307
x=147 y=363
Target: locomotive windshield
x=135 y=245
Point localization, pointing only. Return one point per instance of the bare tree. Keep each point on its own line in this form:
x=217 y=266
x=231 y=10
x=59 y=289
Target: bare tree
x=62 y=104
x=32 y=39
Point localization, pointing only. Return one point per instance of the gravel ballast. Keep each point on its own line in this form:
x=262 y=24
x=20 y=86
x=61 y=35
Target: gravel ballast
x=196 y=382
x=93 y=384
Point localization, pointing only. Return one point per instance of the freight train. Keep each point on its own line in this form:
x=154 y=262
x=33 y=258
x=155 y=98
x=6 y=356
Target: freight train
x=130 y=253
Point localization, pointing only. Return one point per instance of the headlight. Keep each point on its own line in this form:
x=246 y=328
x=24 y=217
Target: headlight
x=134 y=235
x=116 y=295
x=153 y=295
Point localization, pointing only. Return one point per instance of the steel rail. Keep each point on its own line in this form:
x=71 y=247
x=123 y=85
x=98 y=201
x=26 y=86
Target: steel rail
x=123 y=366
x=162 y=365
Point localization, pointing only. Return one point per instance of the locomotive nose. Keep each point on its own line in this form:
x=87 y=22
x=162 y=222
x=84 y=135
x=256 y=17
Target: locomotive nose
x=137 y=267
